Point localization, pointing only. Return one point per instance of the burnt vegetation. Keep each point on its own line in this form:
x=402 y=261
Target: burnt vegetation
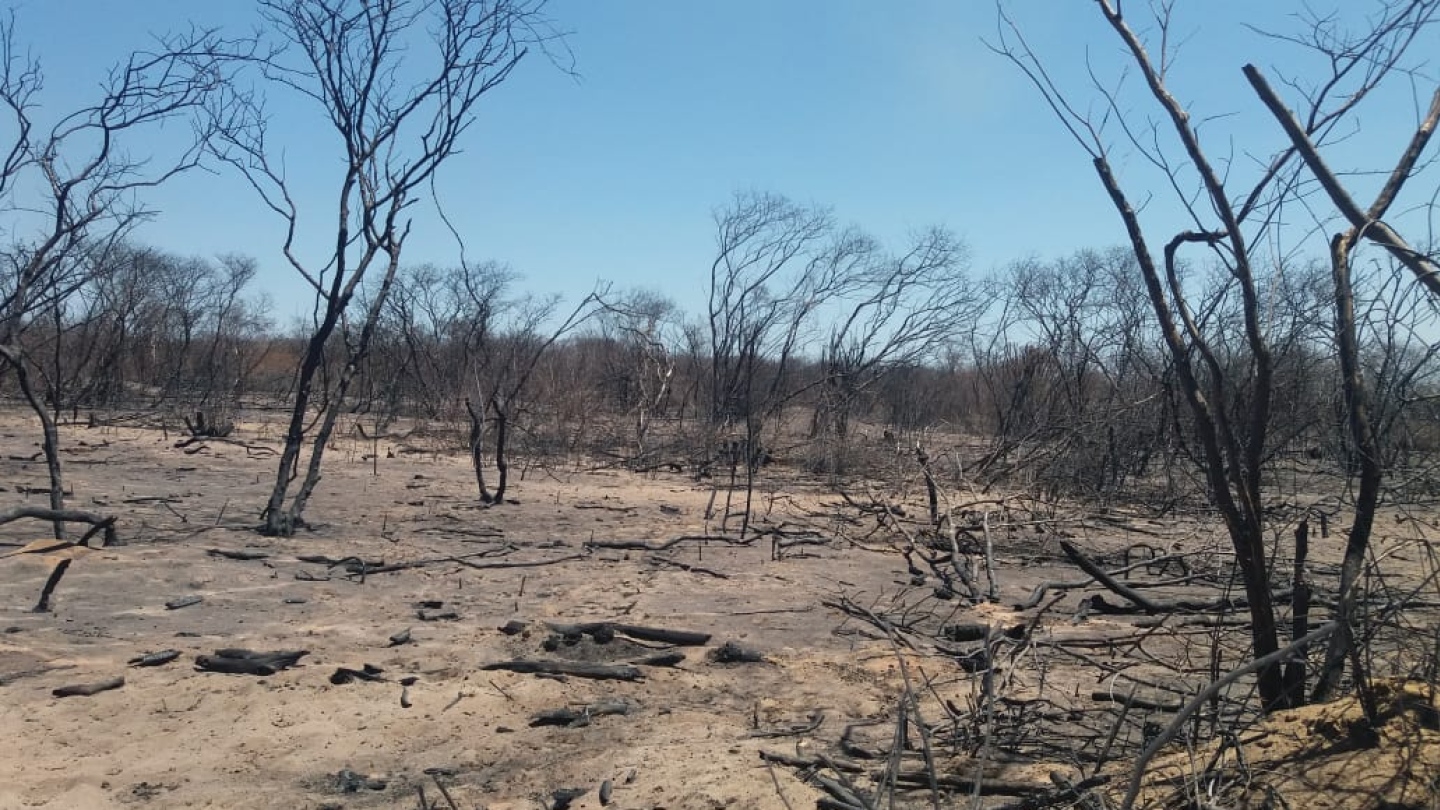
x=965 y=423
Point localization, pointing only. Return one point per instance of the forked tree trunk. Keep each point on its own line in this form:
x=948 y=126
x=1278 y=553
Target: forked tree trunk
x=1231 y=474
x=1366 y=224
x=279 y=522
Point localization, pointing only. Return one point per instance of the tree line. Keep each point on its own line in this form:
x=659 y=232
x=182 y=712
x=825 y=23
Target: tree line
x=1046 y=373
x=1204 y=360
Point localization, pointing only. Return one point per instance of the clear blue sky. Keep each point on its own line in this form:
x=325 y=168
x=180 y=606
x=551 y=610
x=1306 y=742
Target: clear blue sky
x=894 y=113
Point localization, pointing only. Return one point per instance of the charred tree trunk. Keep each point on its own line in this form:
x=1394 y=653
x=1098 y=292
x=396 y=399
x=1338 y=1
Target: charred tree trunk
x=502 y=464
x=50 y=434
x=279 y=522
x=477 y=448
x=1367 y=450
x=1232 y=473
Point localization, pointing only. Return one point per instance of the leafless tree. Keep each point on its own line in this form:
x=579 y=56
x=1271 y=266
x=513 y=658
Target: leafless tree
x=1229 y=210
x=900 y=311
x=502 y=374
x=74 y=185
x=646 y=330
x=399 y=82
x=1373 y=54
x=1074 y=393
x=776 y=263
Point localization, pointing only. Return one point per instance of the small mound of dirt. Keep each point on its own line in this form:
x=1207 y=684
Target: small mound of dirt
x=1323 y=757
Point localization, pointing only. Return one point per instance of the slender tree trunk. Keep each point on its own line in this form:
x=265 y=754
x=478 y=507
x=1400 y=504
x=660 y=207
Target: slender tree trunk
x=1367 y=450
x=50 y=434
x=477 y=448
x=502 y=465
x=1264 y=629
x=1295 y=669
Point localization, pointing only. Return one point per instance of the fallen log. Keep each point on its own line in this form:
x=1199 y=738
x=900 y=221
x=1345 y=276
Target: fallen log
x=238 y=554
x=1098 y=604
x=154 y=659
x=922 y=778
x=793 y=761
x=662 y=660
x=1154 y=704
x=687 y=567
x=578 y=717
x=88 y=689
x=367 y=672
x=97 y=522
x=659 y=635
x=1088 y=566
x=236 y=661
x=643 y=545
x=602 y=672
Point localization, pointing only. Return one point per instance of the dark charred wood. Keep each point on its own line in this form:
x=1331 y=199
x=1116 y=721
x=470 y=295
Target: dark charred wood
x=574 y=718
x=732 y=653
x=88 y=689
x=1088 y=566
x=1139 y=701
x=604 y=672
x=793 y=761
x=237 y=661
x=238 y=554
x=562 y=798
x=101 y=522
x=43 y=605
x=154 y=659
x=659 y=635
x=643 y=545
x=662 y=660
x=368 y=672
x=973 y=631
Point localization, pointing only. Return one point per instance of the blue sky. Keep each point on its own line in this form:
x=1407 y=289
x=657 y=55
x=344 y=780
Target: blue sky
x=893 y=113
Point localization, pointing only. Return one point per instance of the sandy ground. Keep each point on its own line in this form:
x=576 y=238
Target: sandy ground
x=173 y=736
x=176 y=737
